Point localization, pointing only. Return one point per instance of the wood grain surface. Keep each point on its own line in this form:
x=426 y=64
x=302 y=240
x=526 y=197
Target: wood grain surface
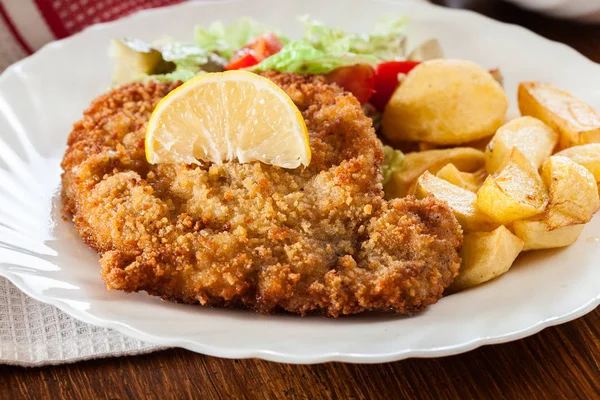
x=558 y=363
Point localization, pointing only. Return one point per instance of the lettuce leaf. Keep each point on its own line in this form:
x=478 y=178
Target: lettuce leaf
x=188 y=59
x=301 y=57
x=227 y=39
x=393 y=161
x=181 y=74
x=387 y=42
x=323 y=49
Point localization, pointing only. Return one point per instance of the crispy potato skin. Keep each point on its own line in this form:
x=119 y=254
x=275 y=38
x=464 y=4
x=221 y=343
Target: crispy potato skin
x=515 y=191
x=575 y=121
x=573 y=192
x=320 y=239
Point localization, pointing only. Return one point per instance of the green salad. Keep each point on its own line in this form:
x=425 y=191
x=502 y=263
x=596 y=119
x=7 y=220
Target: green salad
x=367 y=65
x=321 y=50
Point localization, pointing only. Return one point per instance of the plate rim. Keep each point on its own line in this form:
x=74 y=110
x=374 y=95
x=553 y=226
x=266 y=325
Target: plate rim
x=291 y=358
x=277 y=356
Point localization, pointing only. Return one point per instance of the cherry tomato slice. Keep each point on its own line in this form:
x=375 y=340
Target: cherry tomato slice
x=386 y=80
x=253 y=53
x=266 y=45
x=356 y=79
x=242 y=61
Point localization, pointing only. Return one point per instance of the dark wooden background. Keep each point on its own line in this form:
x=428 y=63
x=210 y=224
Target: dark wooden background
x=559 y=363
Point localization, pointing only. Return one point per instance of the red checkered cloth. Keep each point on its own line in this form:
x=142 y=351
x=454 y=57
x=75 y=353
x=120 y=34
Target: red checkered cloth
x=26 y=25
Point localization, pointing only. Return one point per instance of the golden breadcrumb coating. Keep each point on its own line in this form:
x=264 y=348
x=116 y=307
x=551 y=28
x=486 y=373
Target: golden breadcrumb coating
x=319 y=239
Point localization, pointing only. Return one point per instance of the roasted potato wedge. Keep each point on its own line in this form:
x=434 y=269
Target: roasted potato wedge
x=515 y=192
x=532 y=137
x=461 y=201
x=470 y=181
x=573 y=192
x=445 y=102
x=464 y=158
x=575 y=121
x=587 y=155
x=485 y=256
x=537 y=234
x=479 y=144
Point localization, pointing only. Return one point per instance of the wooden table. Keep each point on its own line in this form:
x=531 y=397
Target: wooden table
x=559 y=362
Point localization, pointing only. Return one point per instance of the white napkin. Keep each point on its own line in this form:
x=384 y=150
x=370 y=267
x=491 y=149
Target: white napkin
x=35 y=334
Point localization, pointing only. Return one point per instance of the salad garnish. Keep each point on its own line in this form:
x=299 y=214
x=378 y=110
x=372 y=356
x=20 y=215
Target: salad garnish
x=367 y=65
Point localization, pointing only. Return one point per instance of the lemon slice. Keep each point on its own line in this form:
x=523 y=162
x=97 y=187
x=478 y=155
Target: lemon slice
x=233 y=115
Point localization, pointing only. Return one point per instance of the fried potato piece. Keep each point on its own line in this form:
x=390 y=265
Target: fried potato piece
x=587 y=155
x=575 y=121
x=461 y=201
x=532 y=137
x=573 y=192
x=463 y=158
x=445 y=102
x=470 y=181
x=485 y=256
x=425 y=146
x=515 y=192
x=479 y=144
x=537 y=234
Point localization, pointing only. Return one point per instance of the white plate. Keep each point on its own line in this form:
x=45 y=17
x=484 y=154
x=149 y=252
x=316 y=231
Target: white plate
x=41 y=253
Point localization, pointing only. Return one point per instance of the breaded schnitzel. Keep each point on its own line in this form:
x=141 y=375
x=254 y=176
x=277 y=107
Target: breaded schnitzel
x=319 y=239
